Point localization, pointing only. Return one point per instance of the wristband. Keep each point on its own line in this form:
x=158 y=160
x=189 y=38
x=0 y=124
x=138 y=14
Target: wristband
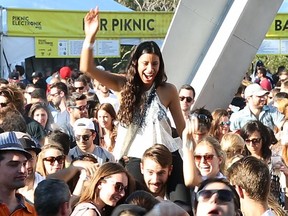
x=87 y=45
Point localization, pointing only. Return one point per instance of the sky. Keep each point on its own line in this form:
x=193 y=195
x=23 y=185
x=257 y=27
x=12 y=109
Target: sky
x=284 y=7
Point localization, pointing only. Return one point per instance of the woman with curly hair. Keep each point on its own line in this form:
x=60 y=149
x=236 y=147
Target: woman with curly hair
x=144 y=95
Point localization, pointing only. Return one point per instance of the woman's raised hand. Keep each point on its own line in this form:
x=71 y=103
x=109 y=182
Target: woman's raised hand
x=187 y=134
x=91 y=22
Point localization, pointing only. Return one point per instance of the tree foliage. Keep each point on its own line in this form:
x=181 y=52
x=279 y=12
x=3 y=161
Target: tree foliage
x=272 y=62
x=150 y=5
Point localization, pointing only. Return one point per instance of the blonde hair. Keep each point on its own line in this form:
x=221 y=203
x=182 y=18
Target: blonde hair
x=214 y=143
x=232 y=144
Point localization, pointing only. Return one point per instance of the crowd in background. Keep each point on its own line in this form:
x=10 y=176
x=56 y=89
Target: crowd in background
x=90 y=142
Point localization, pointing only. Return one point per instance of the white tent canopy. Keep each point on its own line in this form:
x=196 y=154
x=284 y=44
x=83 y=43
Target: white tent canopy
x=17 y=49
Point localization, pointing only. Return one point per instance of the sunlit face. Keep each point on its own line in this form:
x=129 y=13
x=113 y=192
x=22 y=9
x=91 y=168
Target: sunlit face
x=52 y=167
x=224 y=125
x=209 y=168
x=103 y=89
x=148 y=67
x=283 y=78
x=257 y=102
x=104 y=119
x=41 y=116
x=79 y=87
x=80 y=110
x=109 y=193
x=283 y=88
x=55 y=97
x=84 y=140
x=185 y=96
x=155 y=176
x=13 y=170
x=214 y=205
x=254 y=147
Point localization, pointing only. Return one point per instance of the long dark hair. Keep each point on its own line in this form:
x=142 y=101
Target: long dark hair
x=132 y=95
x=252 y=126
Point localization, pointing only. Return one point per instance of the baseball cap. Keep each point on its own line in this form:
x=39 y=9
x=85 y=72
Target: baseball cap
x=37 y=74
x=84 y=123
x=27 y=142
x=9 y=142
x=14 y=75
x=254 y=89
x=65 y=72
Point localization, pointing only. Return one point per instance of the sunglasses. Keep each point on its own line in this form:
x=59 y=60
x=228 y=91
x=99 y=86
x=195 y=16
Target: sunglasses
x=201 y=117
x=188 y=99
x=4 y=104
x=60 y=159
x=118 y=186
x=227 y=123
x=223 y=195
x=80 y=88
x=254 y=141
x=208 y=158
x=81 y=108
x=85 y=137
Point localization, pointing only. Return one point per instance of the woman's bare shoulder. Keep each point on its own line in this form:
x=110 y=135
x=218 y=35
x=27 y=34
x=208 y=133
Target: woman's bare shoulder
x=167 y=88
x=167 y=92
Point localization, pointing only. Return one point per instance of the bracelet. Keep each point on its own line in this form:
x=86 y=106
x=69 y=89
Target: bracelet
x=87 y=45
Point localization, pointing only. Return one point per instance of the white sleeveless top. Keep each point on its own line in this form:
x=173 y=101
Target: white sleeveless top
x=155 y=130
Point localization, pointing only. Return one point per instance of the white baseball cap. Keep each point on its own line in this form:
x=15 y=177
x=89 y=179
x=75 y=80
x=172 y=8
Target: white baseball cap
x=84 y=123
x=254 y=89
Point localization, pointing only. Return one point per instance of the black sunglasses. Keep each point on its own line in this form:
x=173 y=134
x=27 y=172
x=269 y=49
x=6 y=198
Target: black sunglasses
x=188 y=99
x=227 y=123
x=81 y=108
x=224 y=195
x=60 y=159
x=118 y=186
x=80 y=88
x=85 y=137
x=201 y=117
x=254 y=141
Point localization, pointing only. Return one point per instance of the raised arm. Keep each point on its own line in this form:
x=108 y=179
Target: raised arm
x=87 y=64
x=192 y=176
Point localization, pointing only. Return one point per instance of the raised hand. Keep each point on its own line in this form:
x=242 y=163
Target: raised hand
x=91 y=22
x=187 y=134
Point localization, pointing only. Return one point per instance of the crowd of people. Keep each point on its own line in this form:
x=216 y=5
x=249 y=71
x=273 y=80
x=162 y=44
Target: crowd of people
x=96 y=143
